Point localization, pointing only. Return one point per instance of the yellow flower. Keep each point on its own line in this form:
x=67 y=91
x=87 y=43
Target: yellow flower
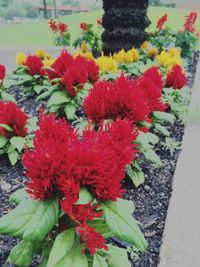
x=84 y=48
x=120 y=56
x=169 y=58
x=42 y=54
x=127 y=57
x=174 y=52
x=145 y=45
x=153 y=52
x=48 y=62
x=135 y=53
x=107 y=64
x=88 y=55
x=20 y=58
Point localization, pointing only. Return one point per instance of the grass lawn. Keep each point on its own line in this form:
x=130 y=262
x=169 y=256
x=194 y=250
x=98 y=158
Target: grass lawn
x=37 y=34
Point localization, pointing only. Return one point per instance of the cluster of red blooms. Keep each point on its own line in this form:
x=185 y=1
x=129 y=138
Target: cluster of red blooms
x=61 y=164
x=34 y=65
x=190 y=22
x=13 y=116
x=84 y=27
x=134 y=100
x=176 y=78
x=65 y=68
x=161 y=22
x=59 y=27
x=2 y=73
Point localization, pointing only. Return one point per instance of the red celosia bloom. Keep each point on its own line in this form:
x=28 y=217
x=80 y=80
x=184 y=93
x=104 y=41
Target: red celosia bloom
x=34 y=65
x=176 y=78
x=92 y=239
x=190 y=22
x=53 y=26
x=84 y=26
x=93 y=71
x=150 y=85
x=99 y=22
x=119 y=100
x=62 y=27
x=161 y=22
x=2 y=73
x=13 y=116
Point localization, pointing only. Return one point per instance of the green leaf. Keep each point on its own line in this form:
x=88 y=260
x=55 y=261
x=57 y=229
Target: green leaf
x=39 y=88
x=122 y=224
x=32 y=124
x=137 y=176
x=70 y=111
x=15 y=222
x=84 y=196
x=19 y=196
x=3 y=141
x=163 y=116
x=75 y=258
x=43 y=221
x=161 y=129
x=99 y=261
x=13 y=157
x=22 y=254
x=151 y=156
x=117 y=257
x=6 y=127
x=62 y=245
x=7 y=97
x=43 y=264
x=18 y=142
x=58 y=98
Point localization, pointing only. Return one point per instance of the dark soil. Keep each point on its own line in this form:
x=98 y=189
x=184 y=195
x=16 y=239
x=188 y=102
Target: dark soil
x=151 y=199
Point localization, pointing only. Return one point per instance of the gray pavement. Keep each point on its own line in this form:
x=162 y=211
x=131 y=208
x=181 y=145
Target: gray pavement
x=181 y=242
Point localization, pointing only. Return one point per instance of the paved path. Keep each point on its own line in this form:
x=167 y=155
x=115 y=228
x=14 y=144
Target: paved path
x=181 y=243
x=7 y=55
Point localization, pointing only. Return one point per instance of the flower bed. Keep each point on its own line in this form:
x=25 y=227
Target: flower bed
x=75 y=176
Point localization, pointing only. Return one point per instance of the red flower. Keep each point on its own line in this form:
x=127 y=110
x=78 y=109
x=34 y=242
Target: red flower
x=93 y=71
x=190 y=22
x=2 y=73
x=34 y=65
x=13 y=116
x=84 y=26
x=161 y=22
x=176 y=78
x=92 y=239
x=53 y=26
x=119 y=100
x=99 y=22
x=150 y=85
x=62 y=27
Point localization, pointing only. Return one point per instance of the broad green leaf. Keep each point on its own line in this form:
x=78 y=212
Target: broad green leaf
x=101 y=227
x=54 y=109
x=18 y=142
x=75 y=258
x=7 y=97
x=164 y=116
x=6 y=127
x=161 y=129
x=39 y=88
x=62 y=245
x=15 y=222
x=43 y=221
x=151 y=156
x=137 y=176
x=3 y=141
x=70 y=111
x=122 y=224
x=43 y=264
x=84 y=196
x=117 y=257
x=22 y=254
x=99 y=261
x=32 y=124
x=58 y=98
x=13 y=157
x=19 y=196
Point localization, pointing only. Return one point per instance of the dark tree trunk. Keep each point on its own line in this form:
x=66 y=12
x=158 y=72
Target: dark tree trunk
x=45 y=9
x=124 y=22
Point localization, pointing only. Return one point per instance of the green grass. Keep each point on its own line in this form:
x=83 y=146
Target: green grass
x=37 y=34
